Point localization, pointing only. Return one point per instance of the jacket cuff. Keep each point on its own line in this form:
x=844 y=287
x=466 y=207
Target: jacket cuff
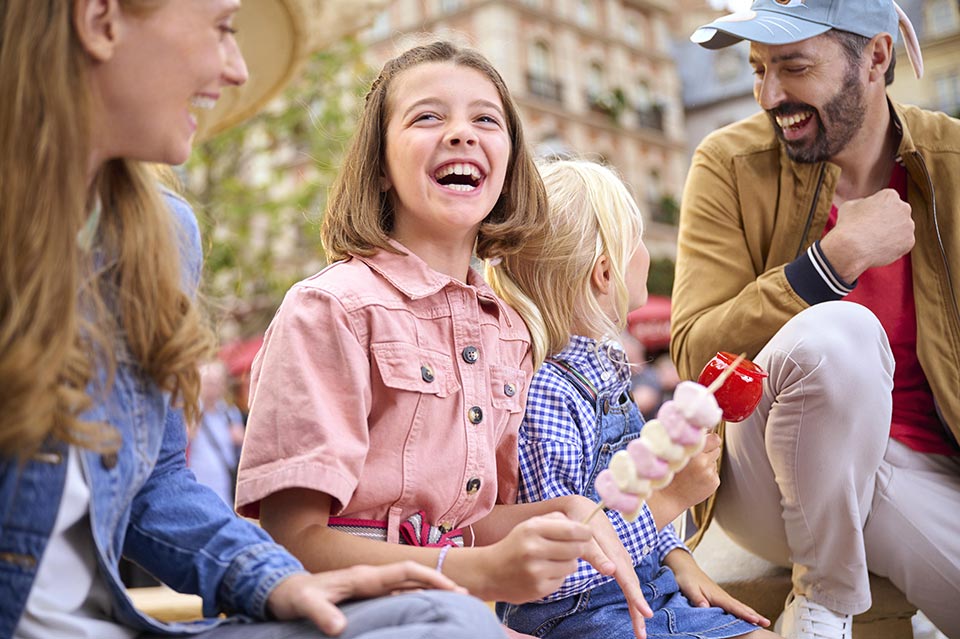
x=812 y=276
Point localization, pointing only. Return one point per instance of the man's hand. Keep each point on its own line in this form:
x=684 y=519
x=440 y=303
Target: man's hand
x=873 y=231
x=314 y=596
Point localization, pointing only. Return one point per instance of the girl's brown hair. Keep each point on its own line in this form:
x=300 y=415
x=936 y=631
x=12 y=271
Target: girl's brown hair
x=359 y=216
x=66 y=313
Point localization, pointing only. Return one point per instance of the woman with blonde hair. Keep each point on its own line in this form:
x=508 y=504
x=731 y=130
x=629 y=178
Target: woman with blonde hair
x=100 y=342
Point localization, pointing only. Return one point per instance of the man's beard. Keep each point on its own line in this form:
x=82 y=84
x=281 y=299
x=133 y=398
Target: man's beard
x=845 y=112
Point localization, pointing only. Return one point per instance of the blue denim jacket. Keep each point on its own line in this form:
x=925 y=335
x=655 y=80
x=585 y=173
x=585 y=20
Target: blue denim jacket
x=144 y=504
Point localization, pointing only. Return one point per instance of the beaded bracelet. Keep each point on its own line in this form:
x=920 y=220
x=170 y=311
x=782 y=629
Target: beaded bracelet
x=441 y=557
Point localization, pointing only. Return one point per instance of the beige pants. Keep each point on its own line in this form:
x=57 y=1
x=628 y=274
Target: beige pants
x=812 y=478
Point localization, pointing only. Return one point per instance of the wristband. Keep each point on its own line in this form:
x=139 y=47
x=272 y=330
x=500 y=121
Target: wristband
x=441 y=557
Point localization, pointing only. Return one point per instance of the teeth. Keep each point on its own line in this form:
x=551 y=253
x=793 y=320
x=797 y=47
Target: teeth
x=461 y=187
x=202 y=102
x=792 y=120
x=458 y=168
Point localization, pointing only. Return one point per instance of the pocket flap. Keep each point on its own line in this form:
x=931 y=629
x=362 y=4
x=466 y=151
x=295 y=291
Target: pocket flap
x=506 y=387
x=411 y=368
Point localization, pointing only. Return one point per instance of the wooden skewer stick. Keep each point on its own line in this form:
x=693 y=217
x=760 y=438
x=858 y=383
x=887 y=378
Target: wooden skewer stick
x=725 y=373
x=593 y=512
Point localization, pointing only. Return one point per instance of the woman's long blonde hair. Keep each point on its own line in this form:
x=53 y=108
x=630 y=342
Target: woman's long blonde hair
x=66 y=313
x=591 y=213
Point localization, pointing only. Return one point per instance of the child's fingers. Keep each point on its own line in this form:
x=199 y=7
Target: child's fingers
x=723 y=599
x=595 y=556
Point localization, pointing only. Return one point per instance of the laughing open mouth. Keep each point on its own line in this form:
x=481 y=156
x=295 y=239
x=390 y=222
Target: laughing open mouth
x=459 y=176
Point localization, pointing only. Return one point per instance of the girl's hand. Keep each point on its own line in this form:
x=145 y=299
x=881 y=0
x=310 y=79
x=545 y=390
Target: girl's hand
x=606 y=551
x=313 y=596
x=702 y=591
x=534 y=558
x=699 y=479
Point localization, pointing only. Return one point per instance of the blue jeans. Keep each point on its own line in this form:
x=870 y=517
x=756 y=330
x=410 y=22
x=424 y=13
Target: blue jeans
x=602 y=612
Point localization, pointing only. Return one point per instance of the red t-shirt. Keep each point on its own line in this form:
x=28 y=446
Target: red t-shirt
x=888 y=292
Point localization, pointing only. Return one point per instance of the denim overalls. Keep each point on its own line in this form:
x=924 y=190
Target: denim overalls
x=602 y=611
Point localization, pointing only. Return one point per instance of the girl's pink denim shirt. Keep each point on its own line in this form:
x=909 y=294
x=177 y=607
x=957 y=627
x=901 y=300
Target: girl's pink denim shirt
x=392 y=388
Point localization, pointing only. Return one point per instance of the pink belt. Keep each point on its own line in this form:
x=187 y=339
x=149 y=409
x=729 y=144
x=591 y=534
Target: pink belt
x=413 y=532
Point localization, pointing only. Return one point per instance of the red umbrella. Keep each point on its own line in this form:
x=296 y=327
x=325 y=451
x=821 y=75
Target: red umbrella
x=651 y=323
x=238 y=355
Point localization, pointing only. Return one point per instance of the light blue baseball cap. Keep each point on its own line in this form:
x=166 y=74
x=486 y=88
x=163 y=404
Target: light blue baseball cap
x=789 y=21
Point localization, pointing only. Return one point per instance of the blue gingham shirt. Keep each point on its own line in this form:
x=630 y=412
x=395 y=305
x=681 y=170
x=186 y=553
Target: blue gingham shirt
x=558 y=440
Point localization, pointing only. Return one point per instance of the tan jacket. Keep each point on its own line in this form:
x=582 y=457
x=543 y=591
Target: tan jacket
x=748 y=211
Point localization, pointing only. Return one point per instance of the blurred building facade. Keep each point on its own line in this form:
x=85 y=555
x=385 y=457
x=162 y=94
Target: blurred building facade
x=717 y=86
x=591 y=77
x=938 y=28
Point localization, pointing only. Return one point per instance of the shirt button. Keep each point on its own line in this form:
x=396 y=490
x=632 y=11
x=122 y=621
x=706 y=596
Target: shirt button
x=473 y=485
x=470 y=354
x=509 y=390
x=475 y=415
x=427 y=373
x=109 y=460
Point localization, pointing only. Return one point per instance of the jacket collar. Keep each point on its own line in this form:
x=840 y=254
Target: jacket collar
x=414 y=278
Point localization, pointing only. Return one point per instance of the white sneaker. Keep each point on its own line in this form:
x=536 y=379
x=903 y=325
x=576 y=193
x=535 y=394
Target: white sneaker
x=805 y=619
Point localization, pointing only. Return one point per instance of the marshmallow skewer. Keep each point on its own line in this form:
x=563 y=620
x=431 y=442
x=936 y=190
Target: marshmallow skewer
x=666 y=444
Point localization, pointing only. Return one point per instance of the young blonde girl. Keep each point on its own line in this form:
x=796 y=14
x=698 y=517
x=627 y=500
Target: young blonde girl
x=387 y=395
x=100 y=343
x=573 y=282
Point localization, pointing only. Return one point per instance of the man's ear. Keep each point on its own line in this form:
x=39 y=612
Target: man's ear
x=600 y=277
x=880 y=53
x=97 y=23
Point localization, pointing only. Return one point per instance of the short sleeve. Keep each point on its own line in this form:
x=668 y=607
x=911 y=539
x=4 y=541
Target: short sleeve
x=309 y=404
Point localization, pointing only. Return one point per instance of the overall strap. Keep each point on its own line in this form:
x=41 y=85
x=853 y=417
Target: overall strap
x=581 y=383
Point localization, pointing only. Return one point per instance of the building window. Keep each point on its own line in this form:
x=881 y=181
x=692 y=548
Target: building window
x=631 y=32
x=586 y=13
x=381 y=25
x=594 y=80
x=540 y=78
x=941 y=17
x=450 y=6
x=948 y=93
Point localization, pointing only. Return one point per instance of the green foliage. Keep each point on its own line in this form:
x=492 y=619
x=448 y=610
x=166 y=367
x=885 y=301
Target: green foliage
x=667 y=210
x=660 y=279
x=260 y=189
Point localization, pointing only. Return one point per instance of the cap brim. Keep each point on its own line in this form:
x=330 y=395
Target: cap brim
x=276 y=38
x=763 y=27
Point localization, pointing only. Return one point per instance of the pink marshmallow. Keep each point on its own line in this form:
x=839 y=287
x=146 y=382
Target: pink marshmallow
x=612 y=496
x=698 y=405
x=649 y=466
x=680 y=430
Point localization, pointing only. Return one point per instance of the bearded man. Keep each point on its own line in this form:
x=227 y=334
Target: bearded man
x=822 y=238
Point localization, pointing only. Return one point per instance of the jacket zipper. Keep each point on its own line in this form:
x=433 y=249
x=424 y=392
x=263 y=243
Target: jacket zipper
x=936 y=228
x=813 y=208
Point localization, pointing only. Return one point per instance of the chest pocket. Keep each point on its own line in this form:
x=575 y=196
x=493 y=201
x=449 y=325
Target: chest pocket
x=411 y=368
x=618 y=424
x=506 y=388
